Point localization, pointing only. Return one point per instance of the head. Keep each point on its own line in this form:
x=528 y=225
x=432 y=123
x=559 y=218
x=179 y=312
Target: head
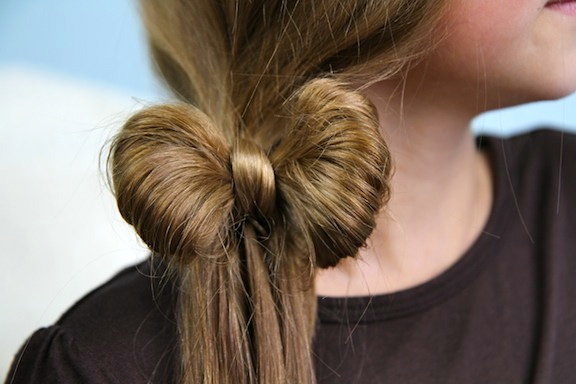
x=497 y=54
x=270 y=165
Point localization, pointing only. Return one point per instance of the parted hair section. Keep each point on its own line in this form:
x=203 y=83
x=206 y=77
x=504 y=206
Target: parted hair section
x=270 y=165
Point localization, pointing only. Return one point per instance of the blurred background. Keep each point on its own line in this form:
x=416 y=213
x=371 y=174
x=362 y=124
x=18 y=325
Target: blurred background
x=70 y=74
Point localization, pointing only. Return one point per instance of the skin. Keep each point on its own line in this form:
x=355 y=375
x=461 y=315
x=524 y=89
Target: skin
x=495 y=54
x=509 y=52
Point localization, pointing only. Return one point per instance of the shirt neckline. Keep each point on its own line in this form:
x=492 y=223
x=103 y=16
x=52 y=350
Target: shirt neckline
x=366 y=309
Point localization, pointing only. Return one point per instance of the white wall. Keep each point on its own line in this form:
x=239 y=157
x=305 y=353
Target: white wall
x=60 y=235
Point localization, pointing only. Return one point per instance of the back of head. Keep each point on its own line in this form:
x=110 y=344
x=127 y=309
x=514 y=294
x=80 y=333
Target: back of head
x=270 y=165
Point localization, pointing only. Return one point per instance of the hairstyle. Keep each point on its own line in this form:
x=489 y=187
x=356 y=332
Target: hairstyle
x=270 y=165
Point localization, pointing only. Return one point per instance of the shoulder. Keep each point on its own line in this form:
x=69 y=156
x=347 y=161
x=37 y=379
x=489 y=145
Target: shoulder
x=540 y=158
x=543 y=141
x=121 y=332
x=534 y=176
x=537 y=146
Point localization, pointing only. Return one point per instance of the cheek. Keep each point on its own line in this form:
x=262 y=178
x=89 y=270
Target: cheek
x=503 y=52
x=527 y=53
x=555 y=61
x=488 y=29
x=490 y=42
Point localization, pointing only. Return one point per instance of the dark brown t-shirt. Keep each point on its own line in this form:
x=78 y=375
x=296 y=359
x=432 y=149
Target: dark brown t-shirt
x=504 y=313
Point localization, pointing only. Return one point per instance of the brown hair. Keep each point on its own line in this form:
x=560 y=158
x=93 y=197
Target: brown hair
x=268 y=167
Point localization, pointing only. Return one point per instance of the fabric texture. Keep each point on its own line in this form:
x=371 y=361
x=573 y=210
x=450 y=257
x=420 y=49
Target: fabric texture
x=504 y=313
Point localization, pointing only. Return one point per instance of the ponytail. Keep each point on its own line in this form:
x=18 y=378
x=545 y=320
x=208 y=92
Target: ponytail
x=246 y=228
x=264 y=172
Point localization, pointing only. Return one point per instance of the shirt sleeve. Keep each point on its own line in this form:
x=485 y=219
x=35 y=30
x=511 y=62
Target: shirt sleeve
x=51 y=355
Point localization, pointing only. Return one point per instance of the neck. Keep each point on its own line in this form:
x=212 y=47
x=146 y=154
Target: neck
x=441 y=198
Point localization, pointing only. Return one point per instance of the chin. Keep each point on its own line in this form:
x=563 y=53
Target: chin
x=544 y=90
x=556 y=83
x=554 y=91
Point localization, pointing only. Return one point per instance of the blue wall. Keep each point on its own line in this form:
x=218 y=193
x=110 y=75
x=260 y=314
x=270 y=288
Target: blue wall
x=97 y=40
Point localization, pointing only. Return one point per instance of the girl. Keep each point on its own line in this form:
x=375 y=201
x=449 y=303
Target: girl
x=318 y=210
